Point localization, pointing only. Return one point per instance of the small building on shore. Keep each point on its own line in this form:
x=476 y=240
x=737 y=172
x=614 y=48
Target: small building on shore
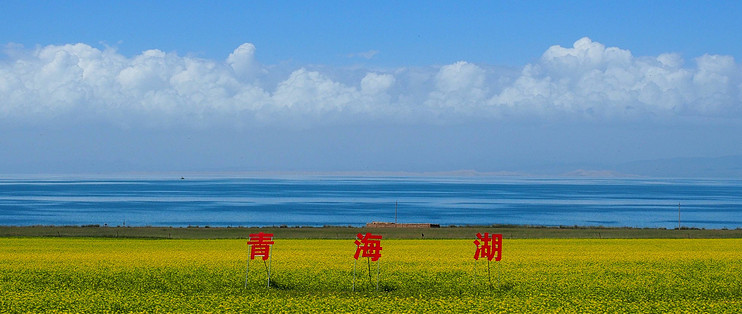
x=378 y=224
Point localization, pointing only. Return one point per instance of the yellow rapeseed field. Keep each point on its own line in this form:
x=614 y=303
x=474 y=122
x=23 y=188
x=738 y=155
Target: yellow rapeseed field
x=545 y=275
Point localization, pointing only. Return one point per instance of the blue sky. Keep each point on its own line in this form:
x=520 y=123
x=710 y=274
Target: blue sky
x=403 y=32
x=92 y=86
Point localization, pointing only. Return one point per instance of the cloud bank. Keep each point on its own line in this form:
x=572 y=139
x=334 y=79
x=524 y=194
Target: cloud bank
x=156 y=88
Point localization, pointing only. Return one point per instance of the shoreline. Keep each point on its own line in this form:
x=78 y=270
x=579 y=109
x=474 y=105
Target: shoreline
x=338 y=232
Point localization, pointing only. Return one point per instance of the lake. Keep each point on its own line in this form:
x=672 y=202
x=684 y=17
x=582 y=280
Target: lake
x=354 y=201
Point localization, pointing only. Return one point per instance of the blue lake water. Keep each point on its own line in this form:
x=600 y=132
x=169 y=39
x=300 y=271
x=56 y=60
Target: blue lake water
x=317 y=201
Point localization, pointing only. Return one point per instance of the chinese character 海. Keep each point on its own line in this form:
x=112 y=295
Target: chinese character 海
x=368 y=245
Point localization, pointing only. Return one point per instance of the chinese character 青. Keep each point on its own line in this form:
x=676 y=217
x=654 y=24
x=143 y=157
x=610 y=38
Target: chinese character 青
x=260 y=244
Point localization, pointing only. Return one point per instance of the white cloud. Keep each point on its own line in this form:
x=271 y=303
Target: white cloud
x=161 y=88
x=459 y=91
x=242 y=60
x=374 y=83
x=459 y=77
x=368 y=55
x=309 y=92
x=590 y=79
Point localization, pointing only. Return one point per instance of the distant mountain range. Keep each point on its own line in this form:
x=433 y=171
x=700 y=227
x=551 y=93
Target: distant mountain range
x=728 y=167
x=720 y=167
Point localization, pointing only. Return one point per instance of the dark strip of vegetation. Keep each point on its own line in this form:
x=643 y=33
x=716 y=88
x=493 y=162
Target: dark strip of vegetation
x=335 y=232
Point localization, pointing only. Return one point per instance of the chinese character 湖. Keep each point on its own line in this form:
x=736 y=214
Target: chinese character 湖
x=490 y=246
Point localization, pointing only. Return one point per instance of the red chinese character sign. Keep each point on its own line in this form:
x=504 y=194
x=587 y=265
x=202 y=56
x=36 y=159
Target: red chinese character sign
x=260 y=245
x=489 y=246
x=369 y=246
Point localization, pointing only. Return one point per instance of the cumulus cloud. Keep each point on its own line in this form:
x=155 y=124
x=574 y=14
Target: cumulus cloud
x=591 y=79
x=374 y=83
x=587 y=80
x=311 y=93
x=242 y=60
x=459 y=86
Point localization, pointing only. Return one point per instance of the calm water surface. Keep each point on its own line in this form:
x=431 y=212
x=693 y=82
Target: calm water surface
x=317 y=201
